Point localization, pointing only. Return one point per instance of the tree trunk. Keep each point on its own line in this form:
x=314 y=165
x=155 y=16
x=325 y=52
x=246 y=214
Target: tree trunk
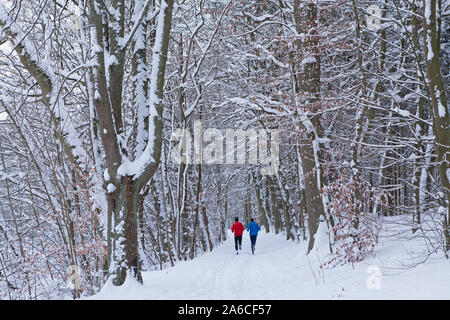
x=441 y=116
x=308 y=81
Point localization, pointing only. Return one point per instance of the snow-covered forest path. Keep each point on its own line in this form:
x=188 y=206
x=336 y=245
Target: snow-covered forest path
x=224 y=275
x=280 y=270
x=221 y=274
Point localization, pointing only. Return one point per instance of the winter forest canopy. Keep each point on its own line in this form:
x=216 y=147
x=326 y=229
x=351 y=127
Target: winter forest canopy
x=349 y=98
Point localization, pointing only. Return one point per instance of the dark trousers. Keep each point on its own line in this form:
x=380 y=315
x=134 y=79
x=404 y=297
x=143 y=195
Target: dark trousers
x=237 y=241
x=253 y=241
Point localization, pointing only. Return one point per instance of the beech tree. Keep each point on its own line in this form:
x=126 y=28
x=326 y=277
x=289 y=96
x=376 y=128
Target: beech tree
x=103 y=25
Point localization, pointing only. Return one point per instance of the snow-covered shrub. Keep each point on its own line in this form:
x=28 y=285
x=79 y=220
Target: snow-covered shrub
x=354 y=229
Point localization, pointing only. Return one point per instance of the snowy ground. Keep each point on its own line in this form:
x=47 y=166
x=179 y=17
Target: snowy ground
x=280 y=270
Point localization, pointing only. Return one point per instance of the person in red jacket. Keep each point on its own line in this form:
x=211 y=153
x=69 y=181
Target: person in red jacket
x=237 y=228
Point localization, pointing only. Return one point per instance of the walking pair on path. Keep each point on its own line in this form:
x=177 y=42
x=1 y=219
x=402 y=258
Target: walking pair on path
x=238 y=228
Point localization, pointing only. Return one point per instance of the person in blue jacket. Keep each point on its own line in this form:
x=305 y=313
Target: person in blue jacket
x=253 y=228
